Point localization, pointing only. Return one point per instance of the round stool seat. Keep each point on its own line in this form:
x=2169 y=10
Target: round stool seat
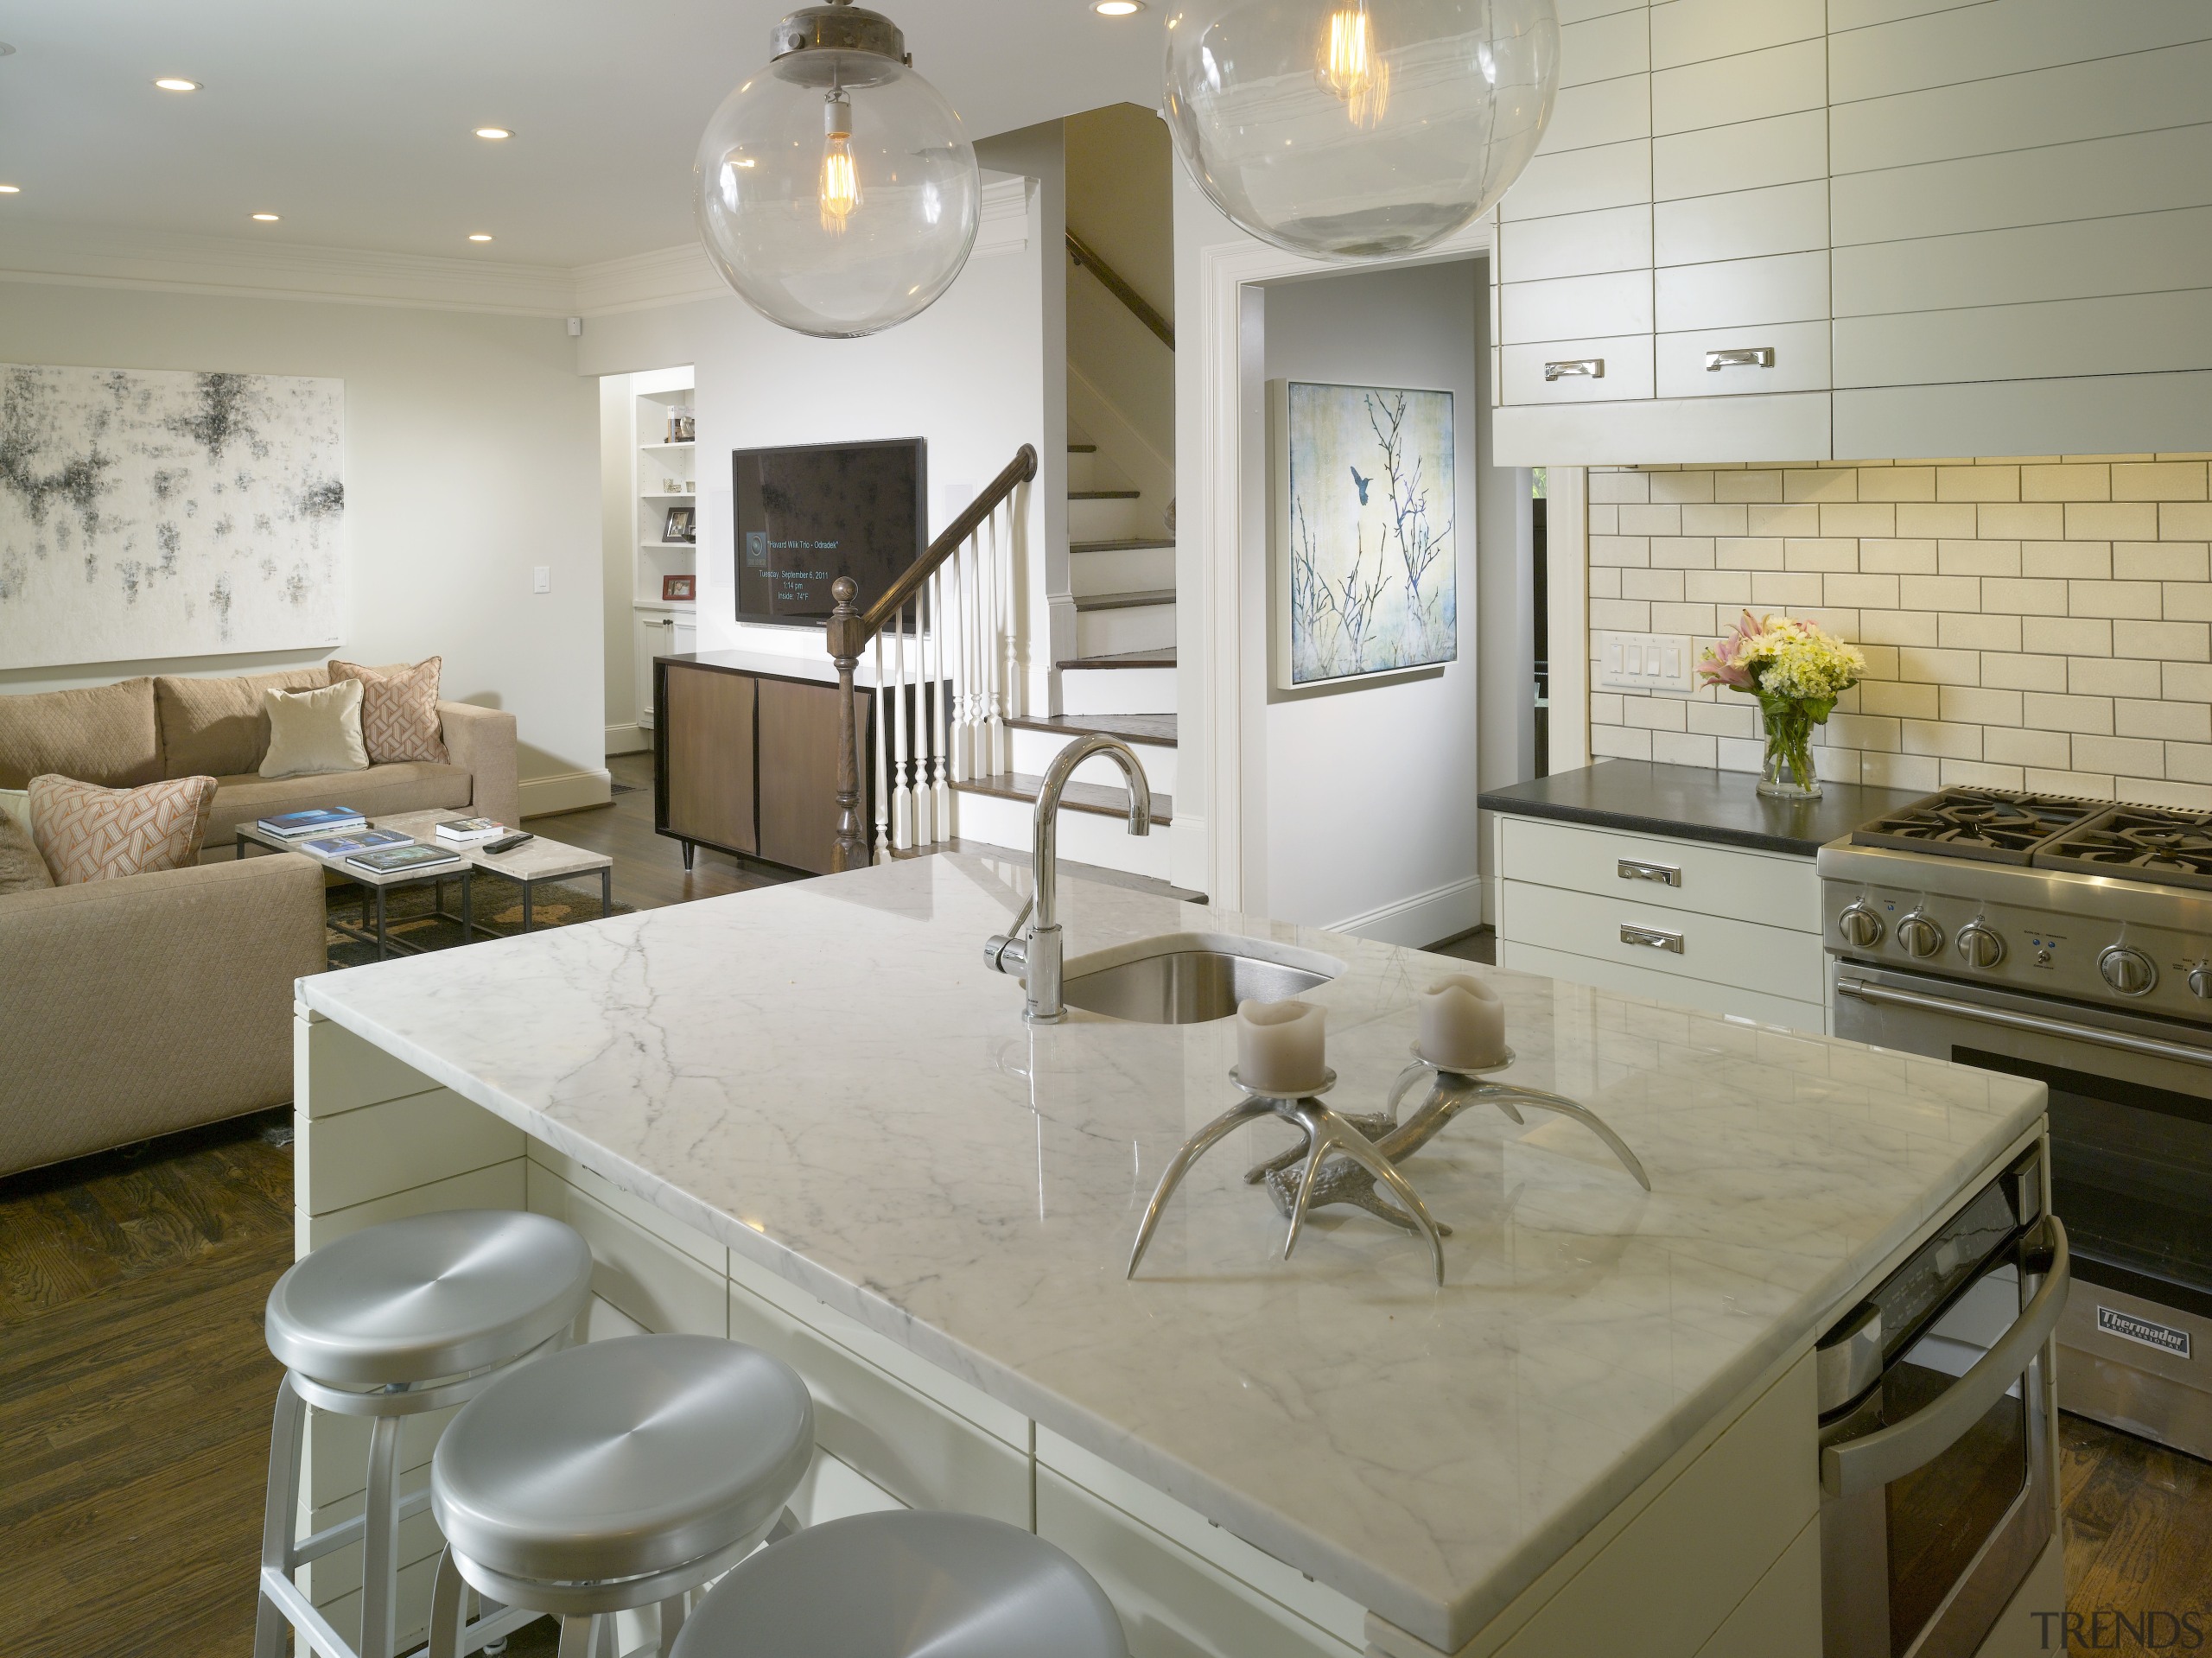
x=622 y=1459
x=433 y=1296
x=905 y=1584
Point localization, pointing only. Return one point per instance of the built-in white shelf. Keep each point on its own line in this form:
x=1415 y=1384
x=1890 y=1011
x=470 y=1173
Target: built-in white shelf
x=661 y=495
x=691 y=546
x=652 y=447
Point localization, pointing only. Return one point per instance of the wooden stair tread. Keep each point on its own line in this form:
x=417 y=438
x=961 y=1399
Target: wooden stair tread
x=1158 y=730
x=1105 y=494
x=1125 y=601
x=1137 y=544
x=1124 y=659
x=1107 y=800
x=1083 y=448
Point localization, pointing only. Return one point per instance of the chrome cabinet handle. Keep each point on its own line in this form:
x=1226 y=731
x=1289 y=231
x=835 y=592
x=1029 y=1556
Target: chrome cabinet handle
x=1590 y=368
x=1869 y=1463
x=2035 y=1023
x=1636 y=869
x=1651 y=937
x=1739 y=357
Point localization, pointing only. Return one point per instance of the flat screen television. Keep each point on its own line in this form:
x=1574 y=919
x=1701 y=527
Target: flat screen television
x=805 y=516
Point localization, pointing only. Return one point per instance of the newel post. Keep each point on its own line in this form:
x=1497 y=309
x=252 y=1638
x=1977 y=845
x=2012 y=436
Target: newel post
x=851 y=850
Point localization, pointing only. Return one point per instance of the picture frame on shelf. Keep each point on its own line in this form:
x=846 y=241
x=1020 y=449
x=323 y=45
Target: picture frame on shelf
x=678 y=588
x=681 y=525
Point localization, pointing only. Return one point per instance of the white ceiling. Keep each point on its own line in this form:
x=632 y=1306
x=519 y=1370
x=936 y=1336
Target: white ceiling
x=355 y=121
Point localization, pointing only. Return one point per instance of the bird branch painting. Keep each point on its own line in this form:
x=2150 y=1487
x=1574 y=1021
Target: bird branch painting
x=1370 y=580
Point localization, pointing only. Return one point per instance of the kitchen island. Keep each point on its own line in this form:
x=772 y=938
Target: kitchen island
x=811 y=1118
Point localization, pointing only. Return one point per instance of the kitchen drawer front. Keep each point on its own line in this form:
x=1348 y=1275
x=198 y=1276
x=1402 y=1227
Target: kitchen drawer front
x=1722 y=1001
x=1171 y=1603
x=1715 y=949
x=1801 y=360
x=1774 y=890
x=889 y=1434
x=1712 y=161
x=1742 y=225
x=1580 y=180
x=1567 y=307
x=1741 y=294
x=1627 y=359
x=1575 y=244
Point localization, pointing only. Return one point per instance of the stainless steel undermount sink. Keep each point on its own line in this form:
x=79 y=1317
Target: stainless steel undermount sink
x=1187 y=978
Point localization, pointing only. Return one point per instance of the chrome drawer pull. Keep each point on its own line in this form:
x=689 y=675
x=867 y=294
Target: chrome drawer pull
x=1651 y=937
x=1592 y=368
x=1739 y=357
x=1636 y=869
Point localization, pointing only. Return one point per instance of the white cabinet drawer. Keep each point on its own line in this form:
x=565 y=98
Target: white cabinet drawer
x=1605 y=49
x=1692 y=31
x=1603 y=112
x=1712 y=161
x=1768 y=887
x=1723 y=1001
x=1801 y=360
x=1741 y=293
x=1746 y=224
x=1575 y=307
x=1626 y=357
x=1679 y=944
x=1749 y=87
x=1580 y=181
x=1575 y=244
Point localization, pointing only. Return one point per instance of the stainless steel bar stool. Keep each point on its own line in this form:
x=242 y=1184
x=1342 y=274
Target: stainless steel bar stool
x=903 y=1584
x=612 y=1477
x=390 y=1322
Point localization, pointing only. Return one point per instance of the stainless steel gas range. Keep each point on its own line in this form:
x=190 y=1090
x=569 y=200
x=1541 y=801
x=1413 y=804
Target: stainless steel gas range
x=2071 y=941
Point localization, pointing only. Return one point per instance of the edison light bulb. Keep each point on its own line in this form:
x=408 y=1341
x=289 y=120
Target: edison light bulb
x=841 y=182
x=1352 y=67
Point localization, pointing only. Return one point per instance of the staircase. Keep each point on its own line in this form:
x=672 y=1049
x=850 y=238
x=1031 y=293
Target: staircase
x=1120 y=681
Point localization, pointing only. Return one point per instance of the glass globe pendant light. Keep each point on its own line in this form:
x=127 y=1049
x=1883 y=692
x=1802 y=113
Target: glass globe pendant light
x=835 y=191
x=1359 y=129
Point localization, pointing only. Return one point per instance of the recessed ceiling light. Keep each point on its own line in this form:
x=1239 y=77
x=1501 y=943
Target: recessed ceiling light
x=1117 y=8
x=177 y=84
x=10 y=189
x=6 y=50
x=266 y=218
x=494 y=132
x=479 y=237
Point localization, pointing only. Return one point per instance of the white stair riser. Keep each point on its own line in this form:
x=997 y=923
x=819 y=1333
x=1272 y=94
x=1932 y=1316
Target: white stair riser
x=1125 y=569
x=1110 y=520
x=1133 y=627
x=1033 y=751
x=1082 y=471
x=1084 y=837
x=1117 y=690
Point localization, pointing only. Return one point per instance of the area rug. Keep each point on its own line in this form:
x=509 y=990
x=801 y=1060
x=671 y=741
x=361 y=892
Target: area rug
x=411 y=918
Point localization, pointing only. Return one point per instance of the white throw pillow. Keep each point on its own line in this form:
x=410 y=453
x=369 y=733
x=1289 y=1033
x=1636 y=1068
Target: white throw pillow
x=315 y=732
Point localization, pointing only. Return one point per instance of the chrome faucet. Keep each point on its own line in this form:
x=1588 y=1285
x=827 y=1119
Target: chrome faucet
x=1035 y=954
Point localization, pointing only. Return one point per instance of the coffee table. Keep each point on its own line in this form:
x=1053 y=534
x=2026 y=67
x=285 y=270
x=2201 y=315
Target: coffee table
x=374 y=886
x=536 y=861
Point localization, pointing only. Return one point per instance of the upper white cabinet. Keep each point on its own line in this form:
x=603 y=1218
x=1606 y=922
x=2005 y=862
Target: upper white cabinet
x=1765 y=230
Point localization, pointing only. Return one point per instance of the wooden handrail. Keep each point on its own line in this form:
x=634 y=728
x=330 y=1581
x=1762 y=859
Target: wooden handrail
x=850 y=629
x=1086 y=255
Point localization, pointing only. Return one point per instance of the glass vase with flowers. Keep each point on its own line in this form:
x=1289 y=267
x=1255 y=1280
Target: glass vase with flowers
x=1796 y=670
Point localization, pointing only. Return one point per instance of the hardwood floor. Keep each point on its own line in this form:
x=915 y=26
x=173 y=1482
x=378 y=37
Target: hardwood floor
x=648 y=868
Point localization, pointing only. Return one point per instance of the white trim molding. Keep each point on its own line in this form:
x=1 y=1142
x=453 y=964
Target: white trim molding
x=628 y=739
x=565 y=791
x=1425 y=918
x=1567 y=619
x=674 y=276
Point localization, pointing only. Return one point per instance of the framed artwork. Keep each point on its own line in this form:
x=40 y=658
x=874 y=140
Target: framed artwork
x=681 y=525
x=1367 y=580
x=676 y=587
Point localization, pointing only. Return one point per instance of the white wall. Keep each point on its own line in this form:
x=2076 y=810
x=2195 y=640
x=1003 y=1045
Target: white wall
x=970 y=375
x=1368 y=787
x=471 y=456
x=1119 y=177
x=618 y=530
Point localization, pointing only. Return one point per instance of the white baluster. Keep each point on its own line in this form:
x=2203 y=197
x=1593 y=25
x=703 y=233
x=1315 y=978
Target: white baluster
x=925 y=818
x=1001 y=641
x=966 y=763
x=882 y=785
x=941 y=711
x=902 y=799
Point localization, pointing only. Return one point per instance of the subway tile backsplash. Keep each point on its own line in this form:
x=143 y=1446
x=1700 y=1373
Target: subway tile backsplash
x=2041 y=623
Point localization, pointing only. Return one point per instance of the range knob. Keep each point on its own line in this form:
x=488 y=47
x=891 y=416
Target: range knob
x=1979 y=944
x=1920 y=936
x=2199 y=982
x=1859 y=925
x=2128 y=971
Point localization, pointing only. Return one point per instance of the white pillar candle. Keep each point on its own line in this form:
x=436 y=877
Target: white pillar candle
x=1280 y=1046
x=1462 y=1024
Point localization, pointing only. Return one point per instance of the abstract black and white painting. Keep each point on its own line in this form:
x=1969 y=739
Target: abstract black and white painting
x=1367 y=577
x=148 y=513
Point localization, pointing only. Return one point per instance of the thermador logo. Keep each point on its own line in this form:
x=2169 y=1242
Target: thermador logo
x=2128 y=1327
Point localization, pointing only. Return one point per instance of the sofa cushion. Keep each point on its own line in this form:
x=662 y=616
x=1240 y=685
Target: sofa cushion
x=380 y=791
x=217 y=728
x=104 y=734
x=21 y=867
x=312 y=733
x=399 y=710
x=88 y=833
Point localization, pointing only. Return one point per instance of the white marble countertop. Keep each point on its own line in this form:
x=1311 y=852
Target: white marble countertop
x=824 y=1076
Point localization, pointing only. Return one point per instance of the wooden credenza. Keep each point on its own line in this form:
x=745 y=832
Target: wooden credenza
x=745 y=758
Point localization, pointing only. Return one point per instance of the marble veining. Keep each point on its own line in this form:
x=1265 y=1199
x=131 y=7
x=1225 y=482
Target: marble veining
x=825 y=1076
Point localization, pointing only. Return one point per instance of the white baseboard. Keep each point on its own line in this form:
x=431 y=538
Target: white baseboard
x=1424 y=918
x=628 y=740
x=564 y=791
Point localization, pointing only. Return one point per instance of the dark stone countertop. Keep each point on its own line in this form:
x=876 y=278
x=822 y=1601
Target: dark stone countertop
x=1693 y=803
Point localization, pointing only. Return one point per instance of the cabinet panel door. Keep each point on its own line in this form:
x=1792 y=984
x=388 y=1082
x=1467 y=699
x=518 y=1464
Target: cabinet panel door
x=2140 y=333
x=1788 y=287
x=1571 y=308
x=2142 y=253
x=1786 y=149
x=1581 y=180
x=1781 y=891
x=1749 y=87
x=1748 y=225
x=799 y=773
x=1574 y=245
x=1691 y=31
x=1715 y=949
x=2003 y=37
x=1602 y=113
x=1627 y=359
x=710 y=726
x=1604 y=48
x=1801 y=360
x=653 y=641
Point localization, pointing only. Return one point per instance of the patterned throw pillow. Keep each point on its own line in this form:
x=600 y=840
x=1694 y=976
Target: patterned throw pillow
x=88 y=833
x=399 y=710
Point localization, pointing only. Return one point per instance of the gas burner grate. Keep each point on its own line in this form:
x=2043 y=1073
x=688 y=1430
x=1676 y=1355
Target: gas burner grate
x=1993 y=825
x=2145 y=843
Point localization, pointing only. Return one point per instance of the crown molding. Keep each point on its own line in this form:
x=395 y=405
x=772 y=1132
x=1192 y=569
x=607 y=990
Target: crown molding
x=638 y=281
x=1004 y=224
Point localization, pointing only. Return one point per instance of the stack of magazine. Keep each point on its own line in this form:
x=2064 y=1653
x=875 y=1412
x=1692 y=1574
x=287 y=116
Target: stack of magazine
x=468 y=831
x=360 y=840
x=316 y=820
x=403 y=860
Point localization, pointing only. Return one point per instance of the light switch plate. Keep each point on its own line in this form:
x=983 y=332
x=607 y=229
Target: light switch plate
x=542 y=579
x=1646 y=662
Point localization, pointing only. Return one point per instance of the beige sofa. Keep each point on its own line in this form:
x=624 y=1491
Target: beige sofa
x=137 y=1006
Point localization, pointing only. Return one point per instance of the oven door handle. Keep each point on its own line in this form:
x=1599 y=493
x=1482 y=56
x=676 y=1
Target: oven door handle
x=1869 y=1463
x=2148 y=1045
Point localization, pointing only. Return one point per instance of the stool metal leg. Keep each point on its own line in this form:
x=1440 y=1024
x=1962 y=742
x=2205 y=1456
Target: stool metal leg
x=448 y=1605
x=380 y=1541
x=577 y=1629
x=281 y=1519
x=671 y=1622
